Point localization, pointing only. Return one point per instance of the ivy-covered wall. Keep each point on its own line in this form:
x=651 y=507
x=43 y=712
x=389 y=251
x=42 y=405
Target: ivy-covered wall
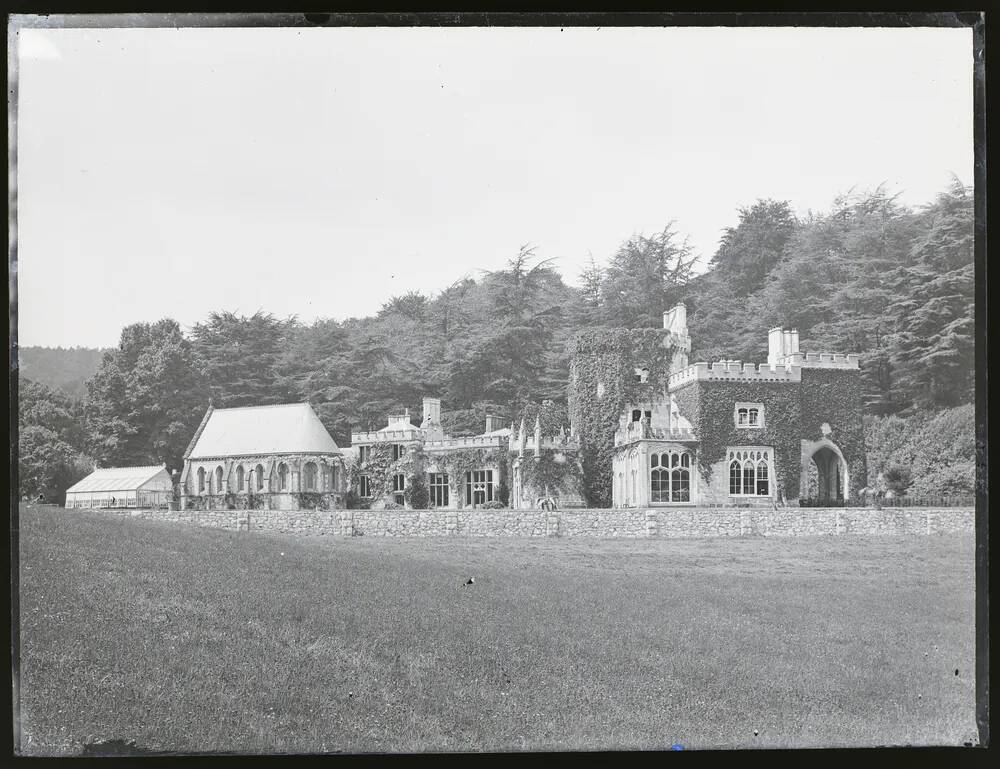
x=793 y=412
x=834 y=396
x=552 y=473
x=601 y=384
x=709 y=407
x=415 y=464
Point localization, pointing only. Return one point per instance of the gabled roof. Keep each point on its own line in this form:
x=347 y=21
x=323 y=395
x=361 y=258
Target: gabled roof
x=117 y=478
x=292 y=428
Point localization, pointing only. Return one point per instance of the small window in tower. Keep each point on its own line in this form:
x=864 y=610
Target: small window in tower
x=749 y=415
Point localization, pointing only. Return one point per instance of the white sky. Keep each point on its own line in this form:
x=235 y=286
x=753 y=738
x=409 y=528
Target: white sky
x=317 y=172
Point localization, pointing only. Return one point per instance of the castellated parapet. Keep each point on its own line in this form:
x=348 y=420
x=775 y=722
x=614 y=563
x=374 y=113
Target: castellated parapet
x=784 y=364
x=789 y=370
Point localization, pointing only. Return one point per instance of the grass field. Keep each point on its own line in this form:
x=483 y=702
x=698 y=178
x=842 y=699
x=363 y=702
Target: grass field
x=188 y=639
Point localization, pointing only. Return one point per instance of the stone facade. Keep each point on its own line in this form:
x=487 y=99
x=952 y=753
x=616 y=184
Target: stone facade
x=475 y=471
x=735 y=434
x=594 y=523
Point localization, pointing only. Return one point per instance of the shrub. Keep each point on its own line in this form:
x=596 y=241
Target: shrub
x=495 y=504
x=898 y=479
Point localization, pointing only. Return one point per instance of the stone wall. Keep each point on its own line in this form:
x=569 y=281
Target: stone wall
x=658 y=523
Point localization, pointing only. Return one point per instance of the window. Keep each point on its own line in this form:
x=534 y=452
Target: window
x=239 y=478
x=364 y=454
x=201 y=480
x=749 y=474
x=398 y=450
x=309 y=477
x=639 y=414
x=364 y=487
x=283 y=477
x=438 y=483
x=479 y=487
x=641 y=375
x=398 y=486
x=670 y=477
x=259 y=476
x=749 y=415
x=218 y=479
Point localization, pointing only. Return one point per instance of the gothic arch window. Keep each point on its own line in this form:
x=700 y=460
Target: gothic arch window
x=309 y=476
x=283 y=477
x=239 y=478
x=670 y=476
x=258 y=474
x=749 y=472
x=218 y=479
x=201 y=480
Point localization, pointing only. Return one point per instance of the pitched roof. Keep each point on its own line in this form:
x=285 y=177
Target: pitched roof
x=117 y=478
x=292 y=428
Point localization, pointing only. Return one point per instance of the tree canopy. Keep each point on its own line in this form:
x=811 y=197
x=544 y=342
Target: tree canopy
x=870 y=276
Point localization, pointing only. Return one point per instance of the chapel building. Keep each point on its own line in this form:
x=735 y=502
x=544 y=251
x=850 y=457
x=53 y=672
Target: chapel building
x=276 y=457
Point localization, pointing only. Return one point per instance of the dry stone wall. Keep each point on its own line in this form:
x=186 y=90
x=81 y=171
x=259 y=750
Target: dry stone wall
x=597 y=523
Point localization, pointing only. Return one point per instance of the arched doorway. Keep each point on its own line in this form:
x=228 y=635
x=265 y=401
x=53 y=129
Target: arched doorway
x=824 y=474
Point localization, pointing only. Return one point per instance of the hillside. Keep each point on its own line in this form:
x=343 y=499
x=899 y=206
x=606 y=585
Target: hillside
x=65 y=369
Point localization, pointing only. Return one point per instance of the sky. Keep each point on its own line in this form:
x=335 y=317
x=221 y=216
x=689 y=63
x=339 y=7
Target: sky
x=318 y=172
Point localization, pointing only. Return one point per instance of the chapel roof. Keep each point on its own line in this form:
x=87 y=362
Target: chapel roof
x=291 y=428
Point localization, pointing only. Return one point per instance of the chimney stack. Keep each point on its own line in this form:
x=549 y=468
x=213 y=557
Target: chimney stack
x=781 y=345
x=675 y=319
x=432 y=411
x=775 y=345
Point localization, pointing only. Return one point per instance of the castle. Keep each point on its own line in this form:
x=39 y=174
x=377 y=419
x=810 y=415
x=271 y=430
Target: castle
x=647 y=429
x=725 y=434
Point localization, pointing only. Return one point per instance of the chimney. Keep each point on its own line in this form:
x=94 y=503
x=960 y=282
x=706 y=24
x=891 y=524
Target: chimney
x=432 y=411
x=492 y=423
x=675 y=319
x=775 y=345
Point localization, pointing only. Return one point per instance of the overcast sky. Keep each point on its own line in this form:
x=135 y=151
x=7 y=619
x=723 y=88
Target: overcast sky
x=318 y=172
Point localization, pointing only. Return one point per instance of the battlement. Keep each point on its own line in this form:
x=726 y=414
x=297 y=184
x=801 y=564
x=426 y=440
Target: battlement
x=734 y=370
x=787 y=369
x=386 y=436
x=822 y=360
x=465 y=442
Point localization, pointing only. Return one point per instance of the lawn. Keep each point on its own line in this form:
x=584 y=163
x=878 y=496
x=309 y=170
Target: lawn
x=179 y=638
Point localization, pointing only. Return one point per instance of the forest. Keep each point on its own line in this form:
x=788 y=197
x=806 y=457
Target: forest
x=870 y=276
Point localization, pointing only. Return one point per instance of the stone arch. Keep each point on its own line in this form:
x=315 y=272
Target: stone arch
x=832 y=471
x=310 y=477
